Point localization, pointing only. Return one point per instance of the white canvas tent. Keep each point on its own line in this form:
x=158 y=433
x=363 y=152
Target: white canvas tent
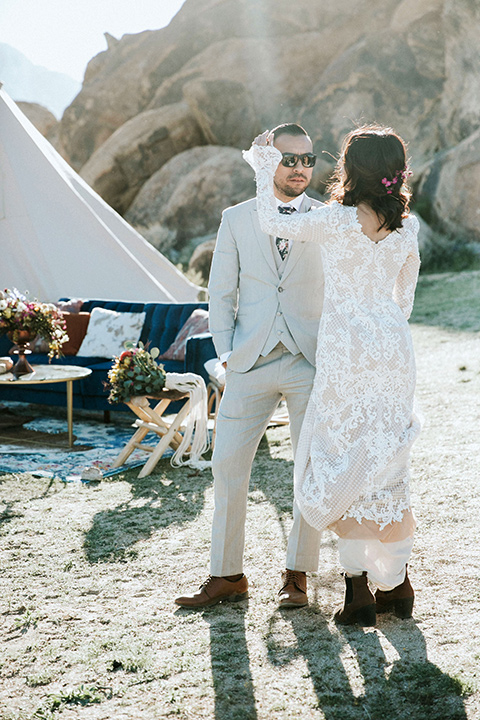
x=58 y=238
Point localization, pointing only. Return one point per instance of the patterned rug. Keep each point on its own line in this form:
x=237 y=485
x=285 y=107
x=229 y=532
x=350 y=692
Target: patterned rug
x=34 y=439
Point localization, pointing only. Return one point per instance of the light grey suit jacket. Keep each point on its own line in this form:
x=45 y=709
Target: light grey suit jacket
x=246 y=291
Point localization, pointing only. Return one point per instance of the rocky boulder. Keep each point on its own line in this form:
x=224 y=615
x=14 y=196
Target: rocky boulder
x=44 y=120
x=392 y=78
x=185 y=198
x=459 y=109
x=201 y=259
x=224 y=110
x=278 y=52
x=224 y=69
x=121 y=166
x=451 y=185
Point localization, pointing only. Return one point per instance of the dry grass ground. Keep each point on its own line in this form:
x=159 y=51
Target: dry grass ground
x=88 y=625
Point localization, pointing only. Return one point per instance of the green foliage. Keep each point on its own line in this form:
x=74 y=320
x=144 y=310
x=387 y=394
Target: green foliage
x=135 y=372
x=57 y=702
x=423 y=207
x=450 y=300
x=26 y=621
x=450 y=254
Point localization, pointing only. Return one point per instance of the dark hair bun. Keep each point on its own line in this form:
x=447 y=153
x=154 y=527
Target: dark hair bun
x=373 y=169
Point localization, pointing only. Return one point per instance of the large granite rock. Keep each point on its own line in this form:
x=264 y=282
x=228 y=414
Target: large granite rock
x=185 y=199
x=120 y=82
x=451 y=184
x=392 y=78
x=44 y=120
x=201 y=259
x=459 y=110
x=224 y=69
x=279 y=52
x=121 y=166
x=224 y=111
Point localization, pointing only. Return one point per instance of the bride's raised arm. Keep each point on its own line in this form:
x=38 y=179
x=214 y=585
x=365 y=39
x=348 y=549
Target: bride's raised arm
x=305 y=227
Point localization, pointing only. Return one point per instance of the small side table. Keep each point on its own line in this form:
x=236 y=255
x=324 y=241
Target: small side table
x=51 y=374
x=151 y=420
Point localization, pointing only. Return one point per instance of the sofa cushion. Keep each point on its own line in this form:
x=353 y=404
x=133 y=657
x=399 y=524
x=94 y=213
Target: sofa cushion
x=165 y=320
x=77 y=324
x=108 y=331
x=196 y=324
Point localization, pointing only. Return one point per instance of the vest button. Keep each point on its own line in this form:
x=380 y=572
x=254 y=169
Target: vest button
x=280 y=289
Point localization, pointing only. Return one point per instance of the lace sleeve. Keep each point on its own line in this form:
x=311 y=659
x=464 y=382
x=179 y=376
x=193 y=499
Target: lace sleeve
x=304 y=227
x=406 y=282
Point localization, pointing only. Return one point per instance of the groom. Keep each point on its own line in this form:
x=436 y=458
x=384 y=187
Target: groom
x=266 y=298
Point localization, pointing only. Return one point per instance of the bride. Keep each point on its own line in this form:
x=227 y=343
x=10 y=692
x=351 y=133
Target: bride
x=352 y=462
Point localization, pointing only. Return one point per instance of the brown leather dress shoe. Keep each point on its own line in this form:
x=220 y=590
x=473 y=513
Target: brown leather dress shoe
x=294 y=589
x=399 y=600
x=215 y=590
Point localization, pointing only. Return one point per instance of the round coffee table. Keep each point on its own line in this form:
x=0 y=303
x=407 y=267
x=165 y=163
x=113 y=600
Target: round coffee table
x=51 y=374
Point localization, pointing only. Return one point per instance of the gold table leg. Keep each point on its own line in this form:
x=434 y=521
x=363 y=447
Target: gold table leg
x=70 y=412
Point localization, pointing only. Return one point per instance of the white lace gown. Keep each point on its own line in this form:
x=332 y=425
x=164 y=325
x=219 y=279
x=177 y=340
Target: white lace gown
x=352 y=462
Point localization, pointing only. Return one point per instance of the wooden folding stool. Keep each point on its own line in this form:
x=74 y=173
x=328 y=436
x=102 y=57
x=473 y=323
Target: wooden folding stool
x=151 y=420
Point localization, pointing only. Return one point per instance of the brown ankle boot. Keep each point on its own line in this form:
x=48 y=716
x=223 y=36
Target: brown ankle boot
x=359 y=604
x=399 y=600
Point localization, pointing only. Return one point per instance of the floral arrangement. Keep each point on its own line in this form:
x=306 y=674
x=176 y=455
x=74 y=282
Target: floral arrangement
x=135 y=372
x=19 y=315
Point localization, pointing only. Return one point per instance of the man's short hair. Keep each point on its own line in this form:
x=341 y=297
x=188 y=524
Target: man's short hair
x=289 y=129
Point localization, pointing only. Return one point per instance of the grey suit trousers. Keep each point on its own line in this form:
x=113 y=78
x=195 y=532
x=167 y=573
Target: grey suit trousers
x=248 y=402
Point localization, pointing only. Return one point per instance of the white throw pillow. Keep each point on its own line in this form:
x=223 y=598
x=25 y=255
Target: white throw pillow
x=108 y=330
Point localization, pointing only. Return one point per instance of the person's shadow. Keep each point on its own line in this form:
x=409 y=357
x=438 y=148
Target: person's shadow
x=169 y=496
x=230 y=661
x=380 y=674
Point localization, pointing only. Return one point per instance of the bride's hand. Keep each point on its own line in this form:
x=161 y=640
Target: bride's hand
x=263 y=139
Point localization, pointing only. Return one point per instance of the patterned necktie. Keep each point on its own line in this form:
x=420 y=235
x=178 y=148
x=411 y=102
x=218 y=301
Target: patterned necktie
x=282 y=243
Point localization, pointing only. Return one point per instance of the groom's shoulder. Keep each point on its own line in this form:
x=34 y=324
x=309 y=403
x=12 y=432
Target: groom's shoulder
x=250 y=205
x=240 y=208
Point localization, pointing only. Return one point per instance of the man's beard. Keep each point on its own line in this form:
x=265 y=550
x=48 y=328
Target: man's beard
x=290 y=191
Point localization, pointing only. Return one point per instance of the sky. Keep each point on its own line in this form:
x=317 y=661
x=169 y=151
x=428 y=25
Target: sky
x=63 y=35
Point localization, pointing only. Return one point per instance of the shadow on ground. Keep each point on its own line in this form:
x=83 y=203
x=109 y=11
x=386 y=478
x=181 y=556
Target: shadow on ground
x=352 y=676
x=169 y=496
x=230 y=663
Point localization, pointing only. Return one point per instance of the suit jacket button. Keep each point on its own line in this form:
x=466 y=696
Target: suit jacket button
x=280 y=289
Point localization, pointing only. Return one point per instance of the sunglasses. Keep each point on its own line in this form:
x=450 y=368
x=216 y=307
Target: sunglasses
x=290 y=160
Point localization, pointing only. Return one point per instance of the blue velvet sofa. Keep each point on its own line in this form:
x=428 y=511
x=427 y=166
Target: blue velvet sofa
x=162 y=323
